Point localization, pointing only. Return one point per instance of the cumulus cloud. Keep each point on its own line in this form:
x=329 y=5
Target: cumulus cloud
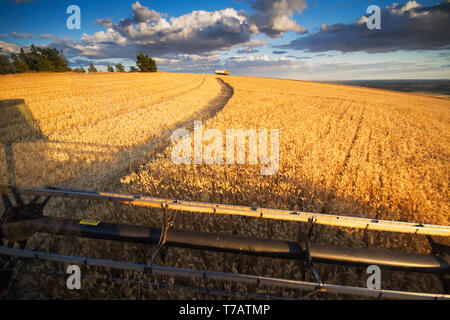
x=17 y=35
x=144 y=14
x=198 y=32
x=247 y=50
x=47 y=36
x=106 y=22
x=274 y=17
x=8 y=48
x=279 y=52
x=255 y=43
x=404 y=27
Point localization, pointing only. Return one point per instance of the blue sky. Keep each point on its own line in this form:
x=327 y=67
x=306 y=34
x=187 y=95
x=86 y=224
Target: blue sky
x=297 y=39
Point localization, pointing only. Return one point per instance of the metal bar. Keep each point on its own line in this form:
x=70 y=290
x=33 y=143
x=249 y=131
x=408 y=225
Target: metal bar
x=255 y=212
x=227 y=243
x=158 y=285
x=222 y=276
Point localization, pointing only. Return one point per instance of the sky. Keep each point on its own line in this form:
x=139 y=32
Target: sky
x=295 y=39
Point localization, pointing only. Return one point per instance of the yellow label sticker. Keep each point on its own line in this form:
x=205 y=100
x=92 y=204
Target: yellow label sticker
x=90 y=222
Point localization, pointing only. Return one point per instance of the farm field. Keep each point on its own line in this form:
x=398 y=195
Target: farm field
x=343 y=150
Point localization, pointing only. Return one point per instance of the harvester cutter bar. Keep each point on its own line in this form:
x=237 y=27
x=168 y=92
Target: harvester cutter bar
x=255 y=212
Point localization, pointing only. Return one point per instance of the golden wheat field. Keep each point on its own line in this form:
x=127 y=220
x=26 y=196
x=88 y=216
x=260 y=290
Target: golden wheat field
x=342 y=150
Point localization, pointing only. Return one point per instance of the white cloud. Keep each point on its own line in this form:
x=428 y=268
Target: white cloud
x=198 y=33
x=18 y=35
x=403 y=27
x=47 y=36
x=8 y=47
x=100 y=37
x=274 y=17
x=147 y=31
x=144 y=14
x=255 y=43
x=262 y=65
x=247 y=50
x=106 y=22
x=190 y=62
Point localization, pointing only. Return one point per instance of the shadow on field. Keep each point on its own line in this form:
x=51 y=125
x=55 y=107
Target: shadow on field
x=17 y=124
x=34 y=160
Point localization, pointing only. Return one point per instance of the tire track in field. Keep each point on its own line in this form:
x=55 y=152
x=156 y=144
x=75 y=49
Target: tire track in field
x=341 y=116
x=350 y=148
x=129 y=160
x=338 y=177
x=339 y=119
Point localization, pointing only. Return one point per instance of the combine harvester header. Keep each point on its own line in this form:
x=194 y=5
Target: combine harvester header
x=21 y=221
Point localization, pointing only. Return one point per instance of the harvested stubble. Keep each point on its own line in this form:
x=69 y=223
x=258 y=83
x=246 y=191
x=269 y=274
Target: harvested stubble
x=343 y=150
x=89 y=122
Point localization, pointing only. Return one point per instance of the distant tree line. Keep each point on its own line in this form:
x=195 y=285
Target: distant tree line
x=38 y=59
x=33 y=60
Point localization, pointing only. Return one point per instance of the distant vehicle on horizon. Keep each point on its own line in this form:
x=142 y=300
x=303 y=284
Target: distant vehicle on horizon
x=223 y=72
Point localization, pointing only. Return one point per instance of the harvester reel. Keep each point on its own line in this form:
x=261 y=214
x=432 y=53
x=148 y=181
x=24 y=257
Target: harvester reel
x=13 y=213
x=20 y=212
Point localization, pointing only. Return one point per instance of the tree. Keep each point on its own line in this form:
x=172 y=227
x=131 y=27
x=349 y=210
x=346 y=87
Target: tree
x=92 y=68
x=133 y=69
x=110 y=69
x=79 y=70
x=20 y=61
x=50 y=60
x=6 y=65
x=120 y=67
x=37 y=59
x=145 y=63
